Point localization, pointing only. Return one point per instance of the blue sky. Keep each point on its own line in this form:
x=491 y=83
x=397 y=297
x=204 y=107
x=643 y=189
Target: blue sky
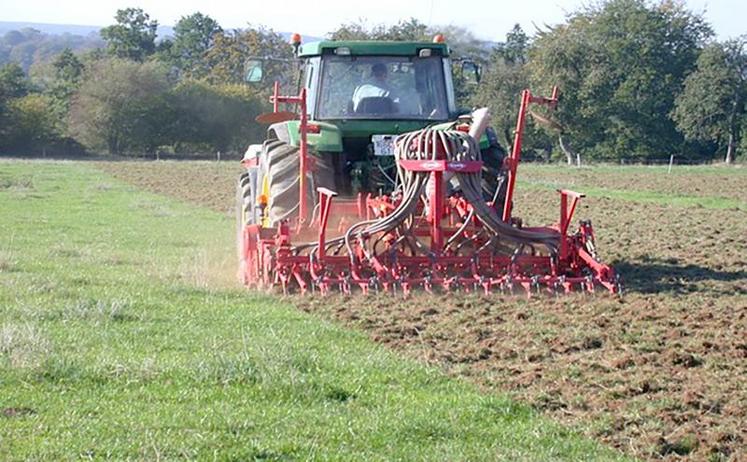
x=488 y=19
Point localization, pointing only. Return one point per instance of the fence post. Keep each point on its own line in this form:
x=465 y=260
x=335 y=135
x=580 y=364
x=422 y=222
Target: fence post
x=671 y=161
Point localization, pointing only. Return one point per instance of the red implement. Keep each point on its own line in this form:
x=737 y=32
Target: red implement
x=435 y=232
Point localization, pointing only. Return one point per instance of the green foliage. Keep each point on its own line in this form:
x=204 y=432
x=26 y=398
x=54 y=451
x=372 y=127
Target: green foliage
x=120 y=106
x=619 y=66
x=405 y=30
x=67 y=66
x=514 y=49
x=193 y=37
x=711 y=106
x=134 y=35
x=504 y=77
x=30 y=123
x=13 y=82
x=351 y=31
x=499 y=89
x=218 y=116
x=227 y=56
x=68 y=71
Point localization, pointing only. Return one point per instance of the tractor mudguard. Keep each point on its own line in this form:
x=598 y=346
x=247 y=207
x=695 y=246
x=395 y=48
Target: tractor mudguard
x=278 y=131
x=329 y=138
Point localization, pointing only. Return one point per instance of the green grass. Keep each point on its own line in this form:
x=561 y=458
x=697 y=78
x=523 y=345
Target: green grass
x=121 y=338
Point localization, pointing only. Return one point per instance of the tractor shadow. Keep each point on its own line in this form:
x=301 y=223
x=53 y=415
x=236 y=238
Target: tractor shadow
x=656 y=276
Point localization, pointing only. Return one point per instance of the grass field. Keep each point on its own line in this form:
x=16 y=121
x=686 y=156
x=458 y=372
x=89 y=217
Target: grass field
x=123 y=336
x=658 y=374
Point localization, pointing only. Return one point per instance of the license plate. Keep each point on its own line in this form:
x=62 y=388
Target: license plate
x=383 y=144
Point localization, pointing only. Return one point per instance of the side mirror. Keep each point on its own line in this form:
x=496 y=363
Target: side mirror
x=471 y=72
x=253 y=71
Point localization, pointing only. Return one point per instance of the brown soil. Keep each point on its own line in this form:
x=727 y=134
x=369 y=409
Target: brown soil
x=659 y=374
x=18 y=411
x=712 y=181
x=210 y=184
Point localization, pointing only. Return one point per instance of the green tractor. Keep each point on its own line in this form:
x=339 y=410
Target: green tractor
x=356 y=98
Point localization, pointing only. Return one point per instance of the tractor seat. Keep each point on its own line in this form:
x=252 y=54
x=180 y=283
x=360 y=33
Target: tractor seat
x=376 y=105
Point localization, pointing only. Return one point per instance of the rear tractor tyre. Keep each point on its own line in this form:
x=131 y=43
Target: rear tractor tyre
x=282 y=181
x=241 y=221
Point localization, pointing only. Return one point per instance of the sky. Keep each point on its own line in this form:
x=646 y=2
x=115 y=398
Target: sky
x=487 y=19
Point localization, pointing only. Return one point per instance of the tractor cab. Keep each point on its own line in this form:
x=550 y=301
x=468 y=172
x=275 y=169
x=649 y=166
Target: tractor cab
x=378 y=81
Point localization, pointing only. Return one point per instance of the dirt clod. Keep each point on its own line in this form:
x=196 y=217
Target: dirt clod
x=18 y=411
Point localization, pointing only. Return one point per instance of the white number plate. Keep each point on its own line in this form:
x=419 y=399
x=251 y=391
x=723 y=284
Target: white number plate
x=383 y=144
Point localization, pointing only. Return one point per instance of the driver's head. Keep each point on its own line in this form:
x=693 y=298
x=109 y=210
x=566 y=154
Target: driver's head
x=378 y=71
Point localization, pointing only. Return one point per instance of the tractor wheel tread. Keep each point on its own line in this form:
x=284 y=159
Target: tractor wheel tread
x=280 y=165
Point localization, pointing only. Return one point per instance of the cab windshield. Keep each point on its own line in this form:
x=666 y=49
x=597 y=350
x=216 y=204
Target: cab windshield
x=382 y=87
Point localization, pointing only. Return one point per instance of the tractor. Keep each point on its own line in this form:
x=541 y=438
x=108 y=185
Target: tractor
x=418 y=191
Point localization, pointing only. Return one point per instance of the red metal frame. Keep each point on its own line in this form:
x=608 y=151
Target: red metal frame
x=269 y=259
x=514 y=158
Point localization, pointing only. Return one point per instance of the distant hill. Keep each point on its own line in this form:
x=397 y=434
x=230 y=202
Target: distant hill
x=72 y=29
x=75 y=29
x=27 y=43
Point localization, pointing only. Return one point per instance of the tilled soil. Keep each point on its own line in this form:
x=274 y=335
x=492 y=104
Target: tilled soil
x=209 y=184
x=659 y=373
x=705 y=181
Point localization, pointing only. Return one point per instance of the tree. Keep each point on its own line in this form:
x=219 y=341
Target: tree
x=711 y=106
x=619 y=65
x=220 y=117
x=405 y=30
x=67 y=66
x=134 y=35
x=13 y=84
x=193 y=37
x=504 y=77
x=500 y=90
x=463 y=47
x=228 y=55
x=121 y=106
x=514 y=49
x=31 y=125
x=351 y=31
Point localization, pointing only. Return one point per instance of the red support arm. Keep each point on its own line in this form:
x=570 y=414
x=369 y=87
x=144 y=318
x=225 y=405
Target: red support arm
x=566 y=215
x=325 y=198
x=515 y=156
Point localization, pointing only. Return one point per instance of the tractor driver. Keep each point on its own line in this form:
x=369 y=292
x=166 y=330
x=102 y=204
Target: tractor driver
x=377 y=93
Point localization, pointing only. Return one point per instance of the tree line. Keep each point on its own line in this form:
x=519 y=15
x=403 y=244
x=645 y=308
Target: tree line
x=638 y=81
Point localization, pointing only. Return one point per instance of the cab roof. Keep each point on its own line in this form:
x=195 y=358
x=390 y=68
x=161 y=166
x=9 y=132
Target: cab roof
x=372 y=48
